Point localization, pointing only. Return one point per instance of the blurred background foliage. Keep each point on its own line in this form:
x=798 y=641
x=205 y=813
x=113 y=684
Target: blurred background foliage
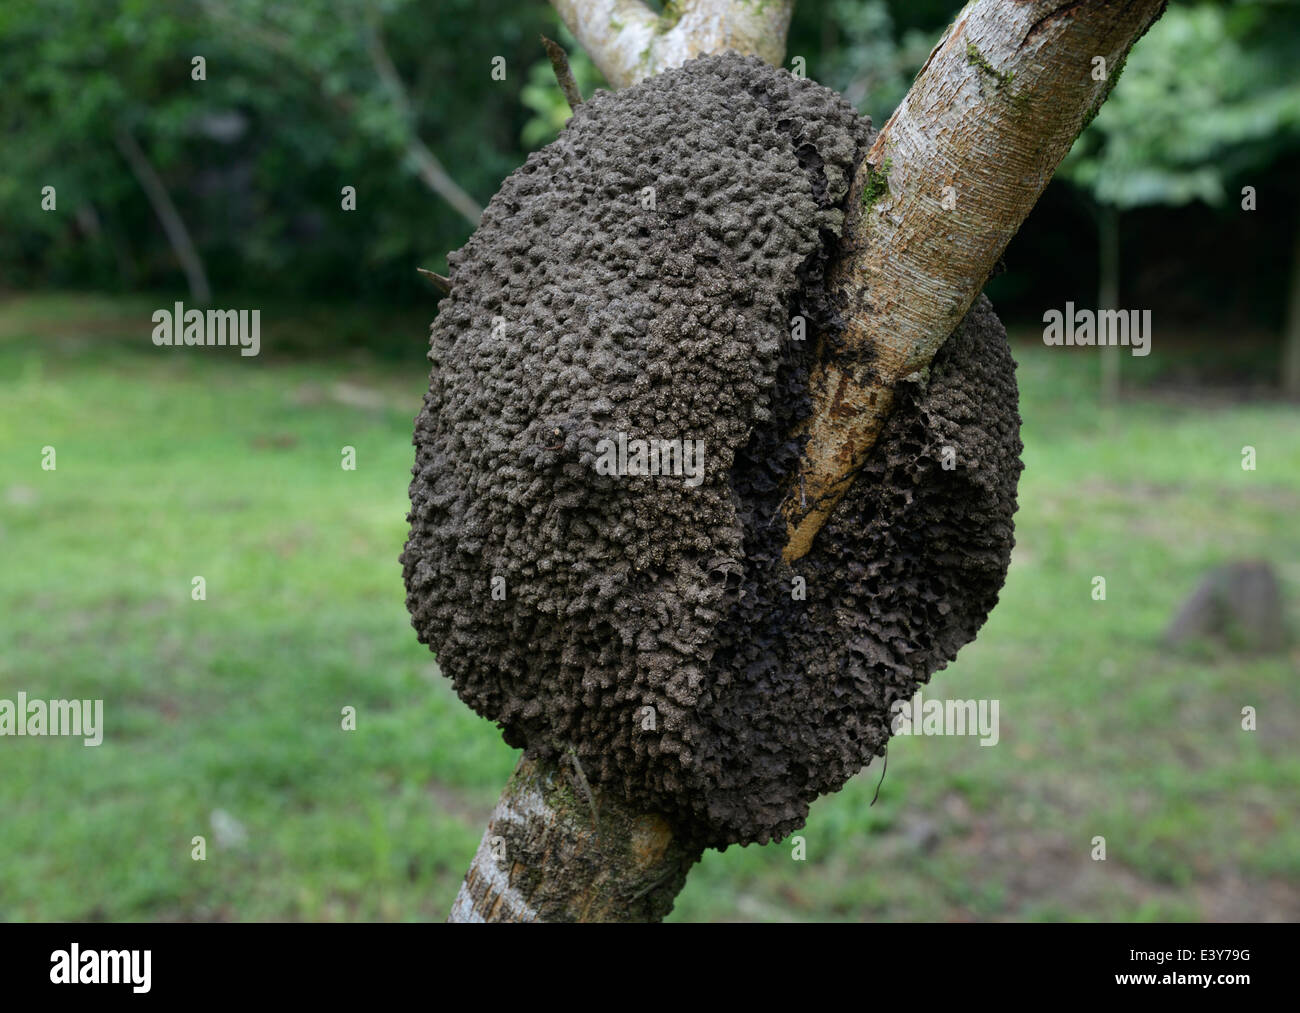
x=398 y=99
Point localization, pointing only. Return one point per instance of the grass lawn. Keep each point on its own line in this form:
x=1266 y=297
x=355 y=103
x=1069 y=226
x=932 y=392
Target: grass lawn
x=223 y=716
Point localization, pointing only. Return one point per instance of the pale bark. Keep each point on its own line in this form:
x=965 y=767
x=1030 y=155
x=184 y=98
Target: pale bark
x=558 y=849
x=630 y=42
x=991 y=114
x=172 y=222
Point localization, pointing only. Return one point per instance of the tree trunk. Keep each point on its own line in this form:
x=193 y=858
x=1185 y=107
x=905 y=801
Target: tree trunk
x=990 y=116
x=1108 y=295
x=1291 y=339
x=558 y=850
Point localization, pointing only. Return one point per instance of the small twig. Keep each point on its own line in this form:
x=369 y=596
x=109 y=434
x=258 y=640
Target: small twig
x=882 y=777
x=563 y=73
x=572 y=757
x=438 y=280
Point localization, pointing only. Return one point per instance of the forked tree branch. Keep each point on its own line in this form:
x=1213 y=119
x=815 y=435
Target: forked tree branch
x=949 y=180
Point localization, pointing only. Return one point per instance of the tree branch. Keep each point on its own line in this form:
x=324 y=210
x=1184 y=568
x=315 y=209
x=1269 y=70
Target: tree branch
x=629 y=42
x=557 y=850
x=945 y=186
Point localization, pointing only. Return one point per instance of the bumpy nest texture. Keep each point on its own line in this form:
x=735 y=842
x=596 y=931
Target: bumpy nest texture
x=578 y=312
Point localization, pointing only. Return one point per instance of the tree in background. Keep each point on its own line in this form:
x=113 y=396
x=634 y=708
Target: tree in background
x=252 y=159
x=340 y=47
x=297 y=100
x=866 y=58
x=1207 y=98
x=72 y=129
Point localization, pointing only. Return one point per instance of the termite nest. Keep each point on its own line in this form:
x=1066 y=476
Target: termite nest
x=638 y=278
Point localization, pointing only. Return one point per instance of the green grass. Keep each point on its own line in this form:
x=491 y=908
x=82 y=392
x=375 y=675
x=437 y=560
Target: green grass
x=177 y=463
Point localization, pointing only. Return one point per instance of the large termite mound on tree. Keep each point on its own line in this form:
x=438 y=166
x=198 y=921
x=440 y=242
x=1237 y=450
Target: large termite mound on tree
x=639 y=277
